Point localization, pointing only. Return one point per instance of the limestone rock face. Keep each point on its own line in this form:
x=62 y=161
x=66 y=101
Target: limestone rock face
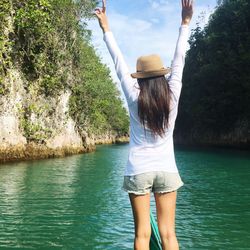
x=66 y=135
x=32 y=126
x=10 y=134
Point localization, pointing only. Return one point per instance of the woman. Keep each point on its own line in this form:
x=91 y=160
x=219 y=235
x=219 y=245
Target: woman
x=153 y=104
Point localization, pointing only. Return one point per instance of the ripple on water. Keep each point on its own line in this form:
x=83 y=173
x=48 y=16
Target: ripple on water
x=77 y=202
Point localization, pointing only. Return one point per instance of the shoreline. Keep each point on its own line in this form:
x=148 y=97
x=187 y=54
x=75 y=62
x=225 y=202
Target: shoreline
x=33 y=151
x=211 y=147
x=241 y=147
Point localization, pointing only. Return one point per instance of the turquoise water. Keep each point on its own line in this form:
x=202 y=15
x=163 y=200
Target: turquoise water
x=77 y=202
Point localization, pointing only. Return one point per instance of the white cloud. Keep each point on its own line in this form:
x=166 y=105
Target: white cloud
x=162 y=6
x=138 y=37
x=135 y=37
x=144 y=33
x=155 y=20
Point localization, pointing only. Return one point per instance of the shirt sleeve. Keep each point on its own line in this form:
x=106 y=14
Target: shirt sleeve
x=175 y=80
x=127 y=82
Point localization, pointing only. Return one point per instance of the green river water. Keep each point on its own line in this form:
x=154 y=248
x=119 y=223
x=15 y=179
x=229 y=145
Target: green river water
x=77 y=202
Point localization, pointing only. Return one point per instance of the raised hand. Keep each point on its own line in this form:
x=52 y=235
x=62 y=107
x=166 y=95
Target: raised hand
x=187 y=11
x=102 y=17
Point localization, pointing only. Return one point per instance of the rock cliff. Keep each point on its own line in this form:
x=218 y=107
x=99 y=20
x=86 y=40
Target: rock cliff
x=50 y=103
x=34 y=127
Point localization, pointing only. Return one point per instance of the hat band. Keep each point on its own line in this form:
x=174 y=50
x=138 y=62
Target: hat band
x=150 y=71
x=146 y=74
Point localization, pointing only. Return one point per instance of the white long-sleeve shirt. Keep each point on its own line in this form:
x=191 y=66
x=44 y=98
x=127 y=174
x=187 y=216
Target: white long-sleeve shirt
x=147 y=152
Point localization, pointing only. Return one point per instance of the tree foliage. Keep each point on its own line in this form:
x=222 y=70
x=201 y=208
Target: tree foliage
x=216 y=82
x=5 y=44
x=50 y=44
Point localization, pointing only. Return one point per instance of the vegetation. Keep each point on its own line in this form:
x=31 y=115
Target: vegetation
x=48 y=41
x=216 y=84
x=5 y=44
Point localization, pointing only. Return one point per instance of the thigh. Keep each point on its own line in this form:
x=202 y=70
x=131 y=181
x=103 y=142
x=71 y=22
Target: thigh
x=165 y=207
x=141 y=212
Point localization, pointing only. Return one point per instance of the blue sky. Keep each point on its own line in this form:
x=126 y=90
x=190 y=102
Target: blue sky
x=143 y=27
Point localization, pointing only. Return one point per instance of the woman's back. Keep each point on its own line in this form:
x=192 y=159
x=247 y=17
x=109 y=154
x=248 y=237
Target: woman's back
x=150 y=152
x=147 y=151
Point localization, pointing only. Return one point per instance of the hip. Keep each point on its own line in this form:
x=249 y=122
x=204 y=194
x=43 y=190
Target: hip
x=154 y=181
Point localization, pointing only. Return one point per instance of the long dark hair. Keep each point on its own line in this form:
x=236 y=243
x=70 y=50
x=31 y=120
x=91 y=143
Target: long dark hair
x=154 y=104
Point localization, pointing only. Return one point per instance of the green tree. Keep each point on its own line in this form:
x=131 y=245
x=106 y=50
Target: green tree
x=216 y=82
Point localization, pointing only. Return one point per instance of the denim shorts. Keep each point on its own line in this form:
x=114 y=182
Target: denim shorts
x=155 y=181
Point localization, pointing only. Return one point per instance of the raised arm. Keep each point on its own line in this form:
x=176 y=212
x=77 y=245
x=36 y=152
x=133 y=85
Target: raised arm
x=127 y=82
x=175 y=81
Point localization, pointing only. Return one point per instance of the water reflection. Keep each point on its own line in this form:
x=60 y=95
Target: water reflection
x=77 y=202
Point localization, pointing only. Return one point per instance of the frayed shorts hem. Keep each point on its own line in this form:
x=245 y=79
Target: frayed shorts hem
x=135 y=192
x=168 y=190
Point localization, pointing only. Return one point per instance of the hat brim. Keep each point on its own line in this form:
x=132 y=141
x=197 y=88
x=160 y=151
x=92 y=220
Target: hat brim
x=149 y=74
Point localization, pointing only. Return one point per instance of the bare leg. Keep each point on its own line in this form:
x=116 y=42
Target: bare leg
x=141 y=211
x=165 y=206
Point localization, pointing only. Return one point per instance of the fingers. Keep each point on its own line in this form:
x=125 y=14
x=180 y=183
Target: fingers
x=103 y=6
x=98 y=10
x=184 y=3
x=187 y=3
x=191 y=2
x=98 y=13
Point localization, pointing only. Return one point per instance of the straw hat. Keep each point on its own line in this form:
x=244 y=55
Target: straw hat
x=150 y=66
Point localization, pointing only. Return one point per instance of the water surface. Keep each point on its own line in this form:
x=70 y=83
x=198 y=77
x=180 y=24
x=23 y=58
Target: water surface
x=77 y=202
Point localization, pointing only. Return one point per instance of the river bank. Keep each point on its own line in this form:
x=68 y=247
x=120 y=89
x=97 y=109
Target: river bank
x=33 y=151
x=236 y=139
